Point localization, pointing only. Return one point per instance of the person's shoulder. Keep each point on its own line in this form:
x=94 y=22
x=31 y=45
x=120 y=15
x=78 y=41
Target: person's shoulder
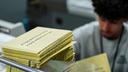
x=87 y=28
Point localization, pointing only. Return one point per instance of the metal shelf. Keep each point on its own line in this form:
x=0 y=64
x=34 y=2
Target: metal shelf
x=17 y=65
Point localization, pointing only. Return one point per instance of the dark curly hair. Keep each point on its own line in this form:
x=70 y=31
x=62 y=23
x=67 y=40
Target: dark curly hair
x=111 y=9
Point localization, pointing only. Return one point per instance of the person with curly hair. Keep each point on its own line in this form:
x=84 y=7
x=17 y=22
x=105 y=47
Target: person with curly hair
x=109 y=34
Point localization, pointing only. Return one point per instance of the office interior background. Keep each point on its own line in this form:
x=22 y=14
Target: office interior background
x=48 y=13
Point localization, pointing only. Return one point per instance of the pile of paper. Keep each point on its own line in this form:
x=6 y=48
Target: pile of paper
x=39 y=45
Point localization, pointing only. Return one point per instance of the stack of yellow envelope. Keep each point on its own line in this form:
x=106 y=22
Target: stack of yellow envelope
x=66 y=55
x=38 y=46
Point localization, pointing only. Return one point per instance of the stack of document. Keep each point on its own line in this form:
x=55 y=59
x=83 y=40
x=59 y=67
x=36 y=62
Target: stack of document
x=39 y=45
x=65 y=55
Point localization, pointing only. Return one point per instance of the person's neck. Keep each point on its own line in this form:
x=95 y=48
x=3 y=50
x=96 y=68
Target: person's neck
x=120 y=32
